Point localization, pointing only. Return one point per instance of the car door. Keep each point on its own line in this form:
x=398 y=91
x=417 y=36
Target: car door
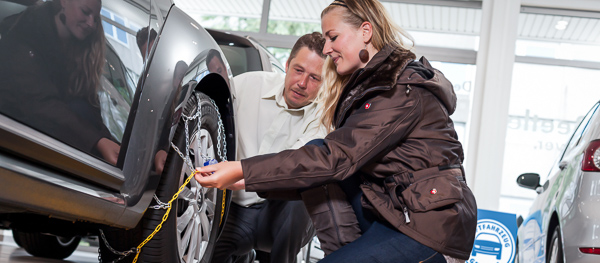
x=59 y=104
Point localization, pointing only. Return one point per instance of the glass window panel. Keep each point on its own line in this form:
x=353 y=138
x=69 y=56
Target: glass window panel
x=241 y=59
x=438 y=26
x=121 y=35
x=291 y=17
x=546 y=105
x=236 y=15
x=119 y=20
x=281 y=54
x=105 y=13
x=558 y=36
x=108 y=28
x=72 y=106
x=557 y=50
x=576 y=138
x=444 y=40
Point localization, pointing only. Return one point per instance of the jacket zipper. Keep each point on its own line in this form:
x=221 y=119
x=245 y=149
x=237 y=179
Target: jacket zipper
x=337 y=229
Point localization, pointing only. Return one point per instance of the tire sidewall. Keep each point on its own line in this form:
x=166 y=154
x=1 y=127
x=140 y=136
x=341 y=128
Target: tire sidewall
x=164 y=246
x=556 y=239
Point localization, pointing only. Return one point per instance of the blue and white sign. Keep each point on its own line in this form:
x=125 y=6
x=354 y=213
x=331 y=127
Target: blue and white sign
x=494 y=238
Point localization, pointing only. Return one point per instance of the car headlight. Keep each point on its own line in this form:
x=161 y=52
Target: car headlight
x=496 y=249
x=477 y=246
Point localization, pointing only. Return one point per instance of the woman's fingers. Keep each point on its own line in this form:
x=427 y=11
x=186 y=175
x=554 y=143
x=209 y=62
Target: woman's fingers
x=219 y=175
x=207 y=169
x=206 y=181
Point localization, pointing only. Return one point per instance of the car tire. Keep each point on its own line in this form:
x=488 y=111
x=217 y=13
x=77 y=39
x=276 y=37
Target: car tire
x=115 y=240
x=517 y=260
x=190 y=232
x=46 y=246
x=555 y=250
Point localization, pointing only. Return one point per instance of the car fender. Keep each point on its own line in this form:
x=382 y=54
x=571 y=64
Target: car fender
x=179 y=44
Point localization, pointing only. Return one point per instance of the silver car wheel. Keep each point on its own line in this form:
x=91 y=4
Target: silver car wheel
x=556 y=252
x=196 y=218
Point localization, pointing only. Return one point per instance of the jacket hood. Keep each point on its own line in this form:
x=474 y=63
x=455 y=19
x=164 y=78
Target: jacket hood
x=422 y=74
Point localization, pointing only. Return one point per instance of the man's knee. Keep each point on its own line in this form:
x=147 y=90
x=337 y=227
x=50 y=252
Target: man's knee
x=332 y=215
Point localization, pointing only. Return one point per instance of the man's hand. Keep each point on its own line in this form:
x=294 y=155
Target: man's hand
x=221 y=175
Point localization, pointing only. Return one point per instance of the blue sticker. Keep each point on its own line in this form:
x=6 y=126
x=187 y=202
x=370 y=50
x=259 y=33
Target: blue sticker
x=494 y=237
x=210 y=162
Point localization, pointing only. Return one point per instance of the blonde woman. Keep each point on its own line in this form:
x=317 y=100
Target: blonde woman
x=52 y=61
x=391 y=133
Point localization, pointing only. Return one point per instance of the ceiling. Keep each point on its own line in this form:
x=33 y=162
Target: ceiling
x=452 y=17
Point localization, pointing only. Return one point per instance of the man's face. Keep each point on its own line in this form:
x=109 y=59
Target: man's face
x=216 y=66
x=303 y=78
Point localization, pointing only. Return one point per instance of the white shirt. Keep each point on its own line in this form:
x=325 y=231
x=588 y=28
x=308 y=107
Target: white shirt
x=264 y=124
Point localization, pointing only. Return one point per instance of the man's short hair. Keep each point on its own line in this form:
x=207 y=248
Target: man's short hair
x=313 y=41
x=141 y=37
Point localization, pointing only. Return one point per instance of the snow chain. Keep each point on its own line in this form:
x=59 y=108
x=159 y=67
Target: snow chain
x=186 y=158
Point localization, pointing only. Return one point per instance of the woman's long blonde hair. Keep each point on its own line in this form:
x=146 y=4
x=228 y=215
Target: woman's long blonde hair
x=86 y=63
x=385 y=32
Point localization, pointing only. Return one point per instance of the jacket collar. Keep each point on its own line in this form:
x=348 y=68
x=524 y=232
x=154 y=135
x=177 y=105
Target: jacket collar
x=382 y=71
x=375 y=62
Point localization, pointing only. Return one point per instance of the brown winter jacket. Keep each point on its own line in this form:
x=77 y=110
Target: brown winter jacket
x=393 y=128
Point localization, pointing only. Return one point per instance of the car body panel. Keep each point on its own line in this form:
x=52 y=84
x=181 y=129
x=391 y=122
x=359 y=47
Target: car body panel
x=569 y=199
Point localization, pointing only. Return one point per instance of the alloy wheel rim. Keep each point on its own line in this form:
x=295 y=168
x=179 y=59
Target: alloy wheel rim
x=554 y=252
x=196 y=216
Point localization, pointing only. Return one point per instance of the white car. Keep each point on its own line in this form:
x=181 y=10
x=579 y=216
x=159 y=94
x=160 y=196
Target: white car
x=563 y=224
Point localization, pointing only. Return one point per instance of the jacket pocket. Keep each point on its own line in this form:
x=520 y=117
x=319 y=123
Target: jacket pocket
x=433 y=193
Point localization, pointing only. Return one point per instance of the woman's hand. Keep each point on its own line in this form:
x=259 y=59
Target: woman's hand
x=159 y=161
x=221 y=175
x=239 y=185
x=109 y=150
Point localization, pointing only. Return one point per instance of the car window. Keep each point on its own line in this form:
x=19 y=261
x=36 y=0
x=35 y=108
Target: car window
x=77 y=89
x=576 y=137
x=276 y=66
x=241 y=58
x=116 y=94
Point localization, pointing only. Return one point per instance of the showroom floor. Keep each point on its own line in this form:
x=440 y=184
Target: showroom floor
x=11 y=253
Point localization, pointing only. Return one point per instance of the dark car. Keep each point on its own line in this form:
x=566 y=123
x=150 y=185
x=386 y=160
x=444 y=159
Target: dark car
x=98 y=139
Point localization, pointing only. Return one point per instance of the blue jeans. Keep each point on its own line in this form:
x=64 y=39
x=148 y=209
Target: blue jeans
x=383 y=244
x=379 y=242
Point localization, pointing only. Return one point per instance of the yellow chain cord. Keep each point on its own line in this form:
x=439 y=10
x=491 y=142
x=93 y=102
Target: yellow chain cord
x=139 y=247
x=222 y=207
